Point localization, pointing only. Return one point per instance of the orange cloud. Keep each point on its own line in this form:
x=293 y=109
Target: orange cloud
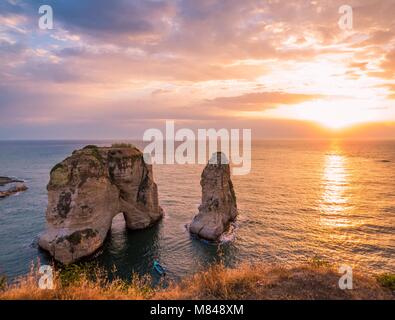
x=192 y=60
x=259 y=101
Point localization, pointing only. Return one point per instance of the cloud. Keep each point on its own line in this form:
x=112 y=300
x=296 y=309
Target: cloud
x=259 y=101
x=200 y=40
x=380 y=37
x=112 y=62
x=391 y=89
x=11 y=8
x=386 y=67
x=160 y=92
x=119 y=21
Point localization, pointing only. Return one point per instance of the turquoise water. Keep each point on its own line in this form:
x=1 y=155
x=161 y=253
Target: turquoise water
x=331 y=199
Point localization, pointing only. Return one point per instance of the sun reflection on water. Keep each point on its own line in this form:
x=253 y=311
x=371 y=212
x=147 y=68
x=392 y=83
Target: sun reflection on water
x=335 y=203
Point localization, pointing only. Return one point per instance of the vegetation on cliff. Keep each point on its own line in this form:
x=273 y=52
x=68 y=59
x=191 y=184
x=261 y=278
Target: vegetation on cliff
x=308 y=281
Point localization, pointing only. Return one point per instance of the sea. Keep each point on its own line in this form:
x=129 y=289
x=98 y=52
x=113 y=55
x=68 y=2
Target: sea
x=303 y=200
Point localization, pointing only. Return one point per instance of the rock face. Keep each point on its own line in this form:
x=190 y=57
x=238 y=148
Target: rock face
x=87 y=190
x=218 y=206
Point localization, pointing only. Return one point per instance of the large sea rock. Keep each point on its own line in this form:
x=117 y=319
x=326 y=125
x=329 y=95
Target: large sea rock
x=218 y=208
x=87 y=190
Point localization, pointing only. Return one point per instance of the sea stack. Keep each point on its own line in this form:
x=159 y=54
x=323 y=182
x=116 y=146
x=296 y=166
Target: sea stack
x=87 y=190
x=218 y=207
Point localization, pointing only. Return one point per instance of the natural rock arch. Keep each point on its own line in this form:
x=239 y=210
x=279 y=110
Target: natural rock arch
x=87 y=190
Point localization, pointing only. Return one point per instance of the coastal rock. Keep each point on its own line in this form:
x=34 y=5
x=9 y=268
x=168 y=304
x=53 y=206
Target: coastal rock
x=87 y=190
x=218 y=208
x=19 y=187
x=7 y=180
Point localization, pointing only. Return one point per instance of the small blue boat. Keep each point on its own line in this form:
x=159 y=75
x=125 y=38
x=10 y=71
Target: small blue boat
x=158 y=268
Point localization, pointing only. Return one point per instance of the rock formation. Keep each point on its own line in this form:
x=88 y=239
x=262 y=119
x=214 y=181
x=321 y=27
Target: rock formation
x=218 y=206
x=87 y=190
x=19 y=187
x=7 y=180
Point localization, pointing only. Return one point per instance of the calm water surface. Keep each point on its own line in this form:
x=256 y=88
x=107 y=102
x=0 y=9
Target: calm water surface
x=331 y=199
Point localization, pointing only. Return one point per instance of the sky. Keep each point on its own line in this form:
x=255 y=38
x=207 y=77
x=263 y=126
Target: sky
x=113 y=69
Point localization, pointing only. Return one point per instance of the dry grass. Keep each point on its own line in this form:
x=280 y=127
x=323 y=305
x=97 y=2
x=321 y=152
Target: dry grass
x=78 y=283
x=309 y=281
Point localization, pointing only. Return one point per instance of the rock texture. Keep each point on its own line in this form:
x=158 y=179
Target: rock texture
x=87 y=190
x=218 y=206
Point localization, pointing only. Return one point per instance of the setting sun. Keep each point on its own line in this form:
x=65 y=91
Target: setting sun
x=337 y=114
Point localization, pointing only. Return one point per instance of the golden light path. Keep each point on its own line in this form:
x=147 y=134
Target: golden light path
x=336 y=179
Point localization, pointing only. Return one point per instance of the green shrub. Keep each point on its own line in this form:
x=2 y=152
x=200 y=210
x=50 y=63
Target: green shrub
x=122 y=145
x=90 y=146
x=73 y=273
x=3 y=282
x=387 y=280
